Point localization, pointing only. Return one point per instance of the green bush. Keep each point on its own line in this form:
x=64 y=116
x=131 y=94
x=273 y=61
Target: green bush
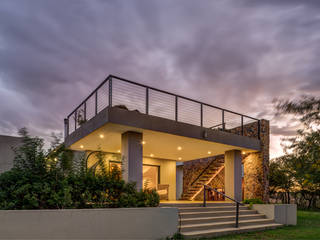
x=49 y=180
x=253 y=201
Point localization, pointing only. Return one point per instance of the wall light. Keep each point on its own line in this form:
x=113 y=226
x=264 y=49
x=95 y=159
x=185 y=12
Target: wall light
x=119 y=151
x=143 y=142
x=179 y=148
x=101 y=136
x=243 y=152
x=179 y=158
x=151 y=155
x=209 y=152
x=81 y=146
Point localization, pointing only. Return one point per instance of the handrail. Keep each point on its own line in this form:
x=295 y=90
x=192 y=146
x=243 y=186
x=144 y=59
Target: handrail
x=215 y=190
x=203 y=171
x=109 y=81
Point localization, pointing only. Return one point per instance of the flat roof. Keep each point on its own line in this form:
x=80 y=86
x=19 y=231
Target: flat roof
x=162 y=136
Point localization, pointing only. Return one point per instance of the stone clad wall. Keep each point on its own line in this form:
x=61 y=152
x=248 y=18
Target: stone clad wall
x=192 y=169
x=256 y=166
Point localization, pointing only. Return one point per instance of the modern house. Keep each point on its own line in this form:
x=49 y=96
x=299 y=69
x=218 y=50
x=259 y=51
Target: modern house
x=172 y=143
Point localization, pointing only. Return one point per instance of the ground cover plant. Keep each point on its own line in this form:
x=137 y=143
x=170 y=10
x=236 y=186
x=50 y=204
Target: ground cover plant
x=52 y=180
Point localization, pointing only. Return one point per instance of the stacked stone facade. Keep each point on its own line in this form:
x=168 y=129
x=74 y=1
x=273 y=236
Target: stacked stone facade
x=256 y=166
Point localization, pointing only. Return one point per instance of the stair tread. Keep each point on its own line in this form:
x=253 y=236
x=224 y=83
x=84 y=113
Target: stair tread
x=212 y=212
x=218 y=207
x=231 y=230
x=213 y=218
x=226 y=222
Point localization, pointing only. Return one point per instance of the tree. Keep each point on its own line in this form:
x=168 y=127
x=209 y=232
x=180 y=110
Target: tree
x=280 y=178
x=302 y=153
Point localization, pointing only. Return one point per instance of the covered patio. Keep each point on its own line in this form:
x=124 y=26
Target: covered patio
x=149 y=137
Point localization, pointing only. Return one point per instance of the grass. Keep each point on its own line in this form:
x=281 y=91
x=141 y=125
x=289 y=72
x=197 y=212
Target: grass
x=308 y=227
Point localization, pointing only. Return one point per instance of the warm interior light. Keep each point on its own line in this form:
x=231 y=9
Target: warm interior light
x=143 y=142
x=81 y=146
x=119 y=151
x=151 y=155
x=243 y=152
x=101 y=136
x=55 y=159
x=209 y=152
x=179 y=158
x=179 y=148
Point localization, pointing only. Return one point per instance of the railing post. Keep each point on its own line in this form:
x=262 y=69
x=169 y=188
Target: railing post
x=75 y=119
x=204 y=196
x=96 y=103
x=237 y=215
x=201 y=114
x=110 y=92
x=242 y=125
x=66 y=127
x=176 y=117
x=147 y=100
x=85 y=111
x=223 y=126
x=259 y=123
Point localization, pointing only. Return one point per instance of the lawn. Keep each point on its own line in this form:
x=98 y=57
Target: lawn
x=308 y=227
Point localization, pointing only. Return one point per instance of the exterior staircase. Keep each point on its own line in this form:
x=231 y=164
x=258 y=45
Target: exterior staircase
x=218 y=219
x=205 y=177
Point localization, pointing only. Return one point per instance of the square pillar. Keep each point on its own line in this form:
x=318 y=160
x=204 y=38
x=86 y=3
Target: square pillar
x=131 y=157
x=233 y=172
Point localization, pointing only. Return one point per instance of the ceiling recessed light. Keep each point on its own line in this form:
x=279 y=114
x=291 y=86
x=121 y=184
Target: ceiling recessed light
x=101 y=136
x=151 y=155
x=81 y=146
x=179 y=158
x=179 y=148
x=119 y=151
x=143 y=142
x=209 y=152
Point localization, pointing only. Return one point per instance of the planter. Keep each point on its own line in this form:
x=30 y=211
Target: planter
x=281 y=213
x=117 y=223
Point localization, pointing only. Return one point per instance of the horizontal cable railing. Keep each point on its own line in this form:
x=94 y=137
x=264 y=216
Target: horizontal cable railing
x=123 y=93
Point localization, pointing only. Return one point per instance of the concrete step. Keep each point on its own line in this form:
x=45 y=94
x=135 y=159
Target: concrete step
x=211 y=208
x=196 y=204
x=227 y=231
x=215 y=213
x=220 y=219
x=229 y=224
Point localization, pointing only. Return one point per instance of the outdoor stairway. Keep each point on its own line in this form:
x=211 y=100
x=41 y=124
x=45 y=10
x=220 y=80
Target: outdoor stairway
x=218 y=219
x=208 y=174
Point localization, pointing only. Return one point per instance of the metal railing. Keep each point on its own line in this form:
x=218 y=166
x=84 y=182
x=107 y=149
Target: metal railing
x=206 y=187
x=115 y=91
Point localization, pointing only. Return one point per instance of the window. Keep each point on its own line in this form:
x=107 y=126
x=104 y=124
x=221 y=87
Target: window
x=150 y=175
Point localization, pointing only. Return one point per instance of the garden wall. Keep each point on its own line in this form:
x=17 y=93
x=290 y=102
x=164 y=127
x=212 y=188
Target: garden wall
x=117 y=223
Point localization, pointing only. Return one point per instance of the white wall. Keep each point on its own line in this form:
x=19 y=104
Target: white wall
x=121 y=223
x=281 y=213
x=167 y=173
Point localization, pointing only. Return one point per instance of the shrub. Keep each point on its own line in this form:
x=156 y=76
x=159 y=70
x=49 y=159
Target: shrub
x=253 y=201
x=49 y=180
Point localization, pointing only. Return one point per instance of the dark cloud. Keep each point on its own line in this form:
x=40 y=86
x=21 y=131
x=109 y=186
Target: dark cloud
x=235 y=54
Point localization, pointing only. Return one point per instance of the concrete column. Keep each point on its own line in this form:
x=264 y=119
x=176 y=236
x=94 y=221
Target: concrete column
x=131 y=156
x=232 y=164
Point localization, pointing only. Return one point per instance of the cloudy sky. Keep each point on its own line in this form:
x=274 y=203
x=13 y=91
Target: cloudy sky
x=235 y=54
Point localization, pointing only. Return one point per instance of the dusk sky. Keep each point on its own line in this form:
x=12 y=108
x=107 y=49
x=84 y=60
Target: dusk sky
x=237 y=54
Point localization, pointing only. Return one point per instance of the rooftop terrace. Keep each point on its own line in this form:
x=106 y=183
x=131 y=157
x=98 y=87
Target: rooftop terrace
x=118 y=92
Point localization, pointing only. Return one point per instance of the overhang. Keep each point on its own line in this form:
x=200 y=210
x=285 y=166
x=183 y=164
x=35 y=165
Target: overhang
x=162 y=136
